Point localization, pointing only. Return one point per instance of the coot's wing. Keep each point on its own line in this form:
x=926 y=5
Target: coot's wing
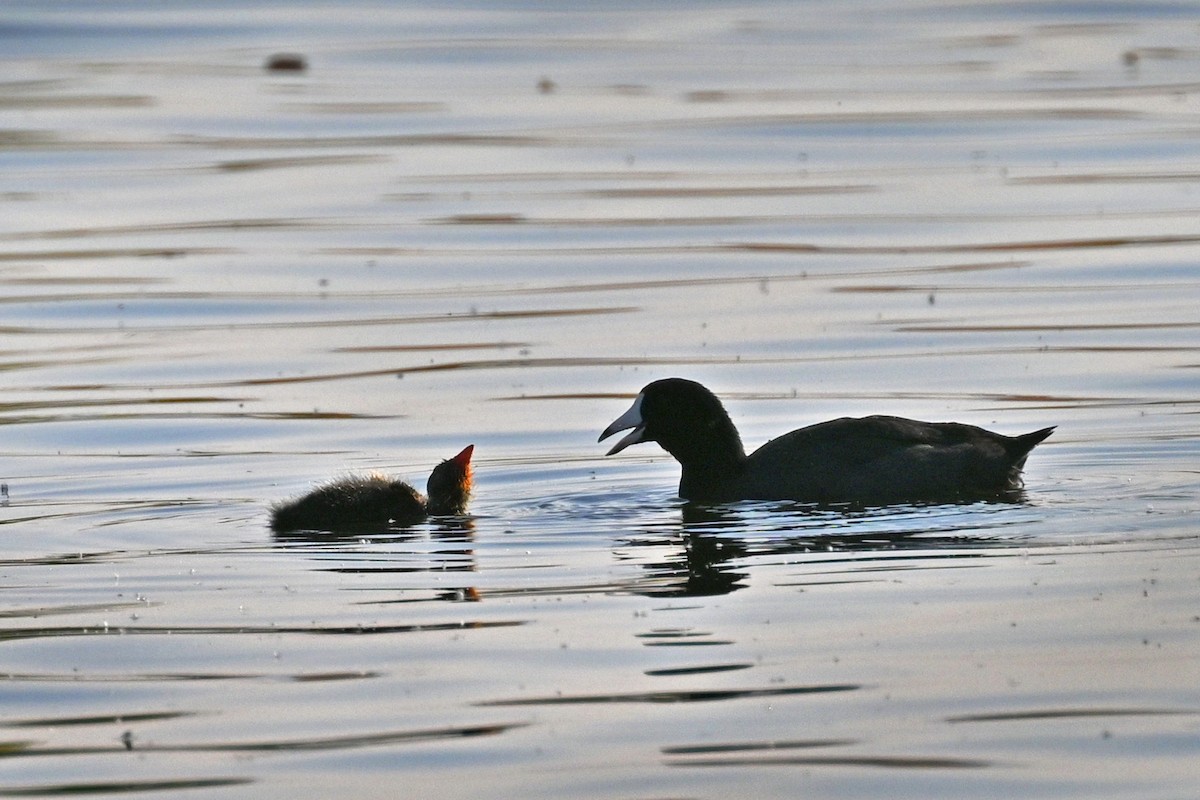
x=884 y=459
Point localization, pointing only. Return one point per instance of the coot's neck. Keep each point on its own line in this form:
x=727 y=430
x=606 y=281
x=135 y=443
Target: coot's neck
x=711 y=464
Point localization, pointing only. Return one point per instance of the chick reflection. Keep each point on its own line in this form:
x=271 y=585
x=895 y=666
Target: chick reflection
x=436 y=547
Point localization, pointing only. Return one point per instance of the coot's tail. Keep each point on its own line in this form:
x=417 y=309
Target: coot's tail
x=1019 y=446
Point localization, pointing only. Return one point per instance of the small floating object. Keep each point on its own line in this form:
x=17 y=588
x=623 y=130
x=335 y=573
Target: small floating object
x=376 y=501
x=286 y=62
x=874 y=460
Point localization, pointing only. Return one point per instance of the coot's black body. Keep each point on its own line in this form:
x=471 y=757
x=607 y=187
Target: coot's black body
x=869 y=460
x=377 y=501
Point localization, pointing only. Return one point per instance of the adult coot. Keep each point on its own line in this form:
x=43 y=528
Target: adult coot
x=869 y=460
x=367 y=501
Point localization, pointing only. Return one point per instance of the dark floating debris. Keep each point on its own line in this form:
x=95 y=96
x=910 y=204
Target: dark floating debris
x=286 y=62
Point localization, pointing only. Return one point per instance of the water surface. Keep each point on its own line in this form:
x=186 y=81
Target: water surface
x=493 y=225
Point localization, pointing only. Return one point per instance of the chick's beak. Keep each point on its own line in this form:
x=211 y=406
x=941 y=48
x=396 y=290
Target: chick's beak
x=630 y=419
x=463 y=462
x=463 y=459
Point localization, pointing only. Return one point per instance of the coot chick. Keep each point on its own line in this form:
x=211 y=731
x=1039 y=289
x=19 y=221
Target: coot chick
x=869 y=461
x=377 y=501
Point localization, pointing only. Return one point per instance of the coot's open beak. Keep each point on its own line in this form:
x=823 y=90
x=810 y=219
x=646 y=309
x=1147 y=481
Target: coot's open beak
x=630 y=419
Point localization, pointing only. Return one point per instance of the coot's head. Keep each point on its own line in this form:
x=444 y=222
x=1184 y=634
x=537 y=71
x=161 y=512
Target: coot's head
x=449 y=486
x=687 y=420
